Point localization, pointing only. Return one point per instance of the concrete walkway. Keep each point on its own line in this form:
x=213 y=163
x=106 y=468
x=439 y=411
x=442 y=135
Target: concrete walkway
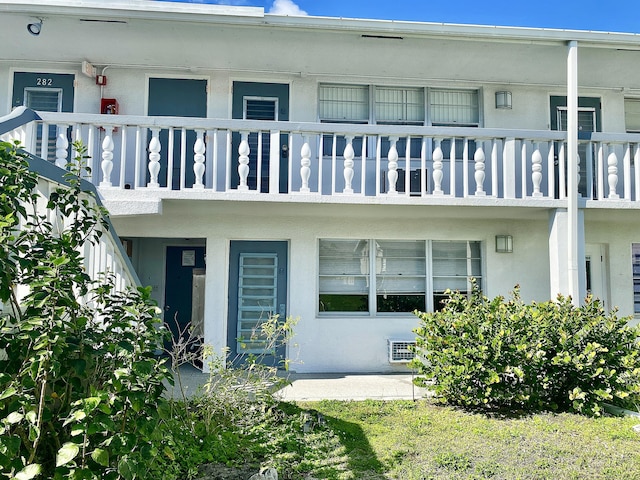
x=313 y=387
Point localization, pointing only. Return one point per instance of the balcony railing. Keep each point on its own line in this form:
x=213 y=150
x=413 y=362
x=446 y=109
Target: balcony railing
x=322 y=159
x=104 y=256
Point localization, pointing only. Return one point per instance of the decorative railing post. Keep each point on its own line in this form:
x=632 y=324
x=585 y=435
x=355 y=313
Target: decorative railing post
x=479 y=174
x=154 y=158
x=536 y=170
x=612 y=162
x=107 y=158
x=348 y=155
x=392 y=174
x=243 y=160
x=438 y=174
x=62 y=145
x=198 y=160
x=305 y=164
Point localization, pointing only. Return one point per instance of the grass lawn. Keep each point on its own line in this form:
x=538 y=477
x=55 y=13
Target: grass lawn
x=417 y=440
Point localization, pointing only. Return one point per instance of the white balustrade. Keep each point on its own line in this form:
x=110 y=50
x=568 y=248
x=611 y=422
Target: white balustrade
x=392 y=165
x=154 y=158
x=520 y=165
x=305 y=164
x=612 y=170
x=243 y=161
x=348 y=155
x=479 y=174
x=437 y=169
x=199 y=150
x=62 y=145
x=107 y=159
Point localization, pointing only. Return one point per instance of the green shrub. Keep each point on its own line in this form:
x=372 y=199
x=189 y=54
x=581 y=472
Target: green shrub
x=80 y=386
x=501 y=353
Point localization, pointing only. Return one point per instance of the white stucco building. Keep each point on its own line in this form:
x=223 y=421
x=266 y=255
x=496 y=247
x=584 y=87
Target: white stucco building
x=337 y=170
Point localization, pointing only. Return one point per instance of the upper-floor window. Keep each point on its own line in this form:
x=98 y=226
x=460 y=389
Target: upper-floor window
x=398 y=105
x=632 y=115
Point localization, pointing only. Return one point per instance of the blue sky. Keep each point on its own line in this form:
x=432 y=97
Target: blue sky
x=609 y=16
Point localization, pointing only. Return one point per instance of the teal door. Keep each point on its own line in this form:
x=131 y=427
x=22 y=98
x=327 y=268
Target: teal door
x=183 y=263
x=261 y=101
x=177 y=97
x=44 y=92
x=257 y=291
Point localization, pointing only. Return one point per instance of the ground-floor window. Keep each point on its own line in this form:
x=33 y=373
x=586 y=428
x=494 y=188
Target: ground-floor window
x=393 y=276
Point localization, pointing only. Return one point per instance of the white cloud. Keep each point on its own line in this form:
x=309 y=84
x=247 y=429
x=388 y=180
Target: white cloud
x=286 y=7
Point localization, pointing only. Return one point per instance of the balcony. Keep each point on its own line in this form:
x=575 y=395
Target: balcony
x=137 y=157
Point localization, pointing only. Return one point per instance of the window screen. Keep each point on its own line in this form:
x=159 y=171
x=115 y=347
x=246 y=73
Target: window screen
x=400 y=276
x=399 y=105
x=632 y=114
x=344 y=276
x=454 y=107
x=344 y=103
x=635 y=261
x=43 y=99
x=453 y=265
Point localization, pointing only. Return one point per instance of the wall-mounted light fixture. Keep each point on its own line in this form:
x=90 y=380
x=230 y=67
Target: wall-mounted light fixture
x=504 y=244
x=503 y=100
x=35 y=28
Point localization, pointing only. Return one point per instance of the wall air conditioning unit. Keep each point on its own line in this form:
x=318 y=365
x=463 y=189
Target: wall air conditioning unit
x=400 y=351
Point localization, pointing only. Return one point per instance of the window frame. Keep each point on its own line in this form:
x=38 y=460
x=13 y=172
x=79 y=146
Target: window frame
x=429 y=282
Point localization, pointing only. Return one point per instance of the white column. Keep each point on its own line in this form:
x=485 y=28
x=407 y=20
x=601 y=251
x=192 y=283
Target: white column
x=392 y=173
x=243 y=161
x=536 y=170
x=62 y=145
x=573 y=241
x=154 y=158
x=438 y=174
x=305 y=164
x=199 y=150
x=348 y=155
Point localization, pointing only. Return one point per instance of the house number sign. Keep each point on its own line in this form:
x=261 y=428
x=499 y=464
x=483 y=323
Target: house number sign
x=44 y=82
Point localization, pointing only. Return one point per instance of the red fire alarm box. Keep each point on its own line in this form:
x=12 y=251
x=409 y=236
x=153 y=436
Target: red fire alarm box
x=108 y=106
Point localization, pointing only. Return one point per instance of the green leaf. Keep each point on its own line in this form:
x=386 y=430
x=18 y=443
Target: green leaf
x=169 y=454
x=101 y=457
x=67 y=452
x=28 y=472
x=14 y=417
x=8 y=393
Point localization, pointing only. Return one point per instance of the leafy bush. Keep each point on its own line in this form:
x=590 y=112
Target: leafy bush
x=500 y=353
x=80 y=387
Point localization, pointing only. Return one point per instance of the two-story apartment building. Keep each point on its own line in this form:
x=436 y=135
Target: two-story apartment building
x=342 y=171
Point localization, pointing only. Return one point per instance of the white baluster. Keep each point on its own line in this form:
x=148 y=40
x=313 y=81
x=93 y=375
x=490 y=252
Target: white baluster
x=348 y=155
x=62 y=144
x=479 y=174
x=154 y=158
x=305 y=164
x=612 y=162
x=107 y=159
x=438 y=174
x=536 y=170
x=392 y=174
x=198 y=160
x=243 y=160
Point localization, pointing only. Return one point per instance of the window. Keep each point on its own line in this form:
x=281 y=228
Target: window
x=632 y=114
x=390 y=276
x=454 y=107
x=399 y=106
x=344 y=103
x=635 y=261
x=454 y=264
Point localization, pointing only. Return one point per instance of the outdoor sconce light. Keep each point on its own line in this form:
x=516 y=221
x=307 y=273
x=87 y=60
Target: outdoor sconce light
x=35 y=28
x=503 y=100
x=504 y=244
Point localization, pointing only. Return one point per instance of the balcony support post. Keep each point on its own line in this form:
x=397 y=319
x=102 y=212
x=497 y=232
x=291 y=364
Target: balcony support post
x=62 y=145
x=509 y=168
